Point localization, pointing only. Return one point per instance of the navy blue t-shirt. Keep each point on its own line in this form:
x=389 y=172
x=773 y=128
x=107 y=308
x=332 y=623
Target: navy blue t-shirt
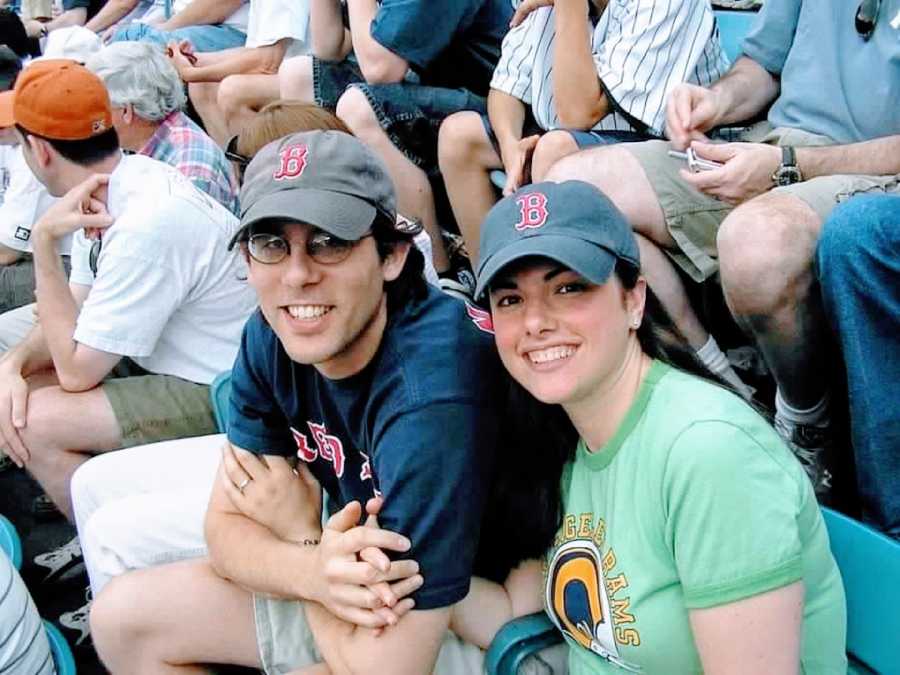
x=418 y=425
x=449 y=43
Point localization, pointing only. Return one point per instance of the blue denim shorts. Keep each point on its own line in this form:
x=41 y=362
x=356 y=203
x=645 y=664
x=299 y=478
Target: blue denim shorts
x=410 y=113
x=583 y=139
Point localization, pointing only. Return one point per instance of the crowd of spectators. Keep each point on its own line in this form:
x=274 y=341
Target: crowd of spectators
x=305 y=193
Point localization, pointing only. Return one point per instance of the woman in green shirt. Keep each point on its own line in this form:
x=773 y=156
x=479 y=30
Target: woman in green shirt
x=689 y=538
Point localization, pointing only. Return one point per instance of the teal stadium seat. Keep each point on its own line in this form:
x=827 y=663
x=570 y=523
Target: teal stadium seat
x=219 y=392
x=11 y=545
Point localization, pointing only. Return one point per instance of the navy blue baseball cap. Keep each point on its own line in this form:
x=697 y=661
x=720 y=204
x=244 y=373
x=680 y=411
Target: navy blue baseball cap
x=572 y=223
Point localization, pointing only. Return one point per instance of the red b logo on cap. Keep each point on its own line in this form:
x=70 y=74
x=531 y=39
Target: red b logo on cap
x=533 y=208
x=293 y=162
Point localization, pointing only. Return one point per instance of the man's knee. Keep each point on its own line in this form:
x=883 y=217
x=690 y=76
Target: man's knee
x=765 y=249
x=203 y=94
x=230 y=96
x=355 y=110
x=295 y=80
x=552 y=147
x=461 y=135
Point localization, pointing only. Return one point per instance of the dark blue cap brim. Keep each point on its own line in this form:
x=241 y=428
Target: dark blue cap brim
x=591 y=261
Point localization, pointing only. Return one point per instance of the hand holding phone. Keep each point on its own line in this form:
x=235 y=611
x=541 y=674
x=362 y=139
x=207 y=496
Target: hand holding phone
x=695 y=163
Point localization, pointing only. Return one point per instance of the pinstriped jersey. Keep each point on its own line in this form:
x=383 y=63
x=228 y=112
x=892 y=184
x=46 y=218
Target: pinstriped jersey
x=642 y=49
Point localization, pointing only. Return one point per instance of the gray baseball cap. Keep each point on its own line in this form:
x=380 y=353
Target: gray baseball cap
x=324 y=178
x=572 y=223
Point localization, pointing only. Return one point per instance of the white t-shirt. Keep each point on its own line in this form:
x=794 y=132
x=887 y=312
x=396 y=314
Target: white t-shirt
x=274 y=20
x=25 y=201
x=167 y=293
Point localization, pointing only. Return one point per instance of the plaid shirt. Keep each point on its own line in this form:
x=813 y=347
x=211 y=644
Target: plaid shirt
x=184 y=145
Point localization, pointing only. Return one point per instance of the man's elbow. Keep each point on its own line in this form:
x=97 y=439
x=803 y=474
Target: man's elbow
x=74 y=17
x=384 y=71
x=582 y=115
x=76 y=382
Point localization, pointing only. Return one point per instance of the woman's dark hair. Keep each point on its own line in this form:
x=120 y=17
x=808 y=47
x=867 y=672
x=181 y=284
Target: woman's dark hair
x=13 y=35
x=410 y=286
x=524 y=510
x=85 y=152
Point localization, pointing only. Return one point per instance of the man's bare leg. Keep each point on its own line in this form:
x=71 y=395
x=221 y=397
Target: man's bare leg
x=295 y=79
x=165 y=620
x=61 y=430
x=466 y=158
x=204 y=96
x=414 y=195
x=552 y=147
x=241 y=96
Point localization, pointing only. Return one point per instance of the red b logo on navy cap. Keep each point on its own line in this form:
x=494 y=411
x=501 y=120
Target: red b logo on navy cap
x=533 y=211
x=293 y=162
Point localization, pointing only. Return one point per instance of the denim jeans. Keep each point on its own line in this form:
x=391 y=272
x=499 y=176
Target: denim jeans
x=858 y=262
x=204 y=38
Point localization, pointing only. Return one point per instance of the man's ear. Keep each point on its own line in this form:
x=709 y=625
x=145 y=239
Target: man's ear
x=40 y=149
x=128 y=113
x=393 y=263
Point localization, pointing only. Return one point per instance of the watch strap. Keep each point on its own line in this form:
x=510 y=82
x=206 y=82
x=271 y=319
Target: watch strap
x=788 y=156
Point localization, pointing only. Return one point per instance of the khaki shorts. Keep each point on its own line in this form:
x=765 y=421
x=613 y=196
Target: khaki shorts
x=286 y=643
x=152 y=408
x=693 y=218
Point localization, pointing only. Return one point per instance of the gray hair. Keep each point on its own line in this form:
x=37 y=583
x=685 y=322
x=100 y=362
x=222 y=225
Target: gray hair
x=139 y=74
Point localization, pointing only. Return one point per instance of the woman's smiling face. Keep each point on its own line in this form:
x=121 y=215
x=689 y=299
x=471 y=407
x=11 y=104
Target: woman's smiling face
x=560 y=336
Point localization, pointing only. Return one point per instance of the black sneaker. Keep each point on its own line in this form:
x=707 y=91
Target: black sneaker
x=809 y=443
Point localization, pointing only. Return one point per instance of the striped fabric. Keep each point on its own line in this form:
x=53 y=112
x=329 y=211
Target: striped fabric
x=23 y=643
x=642 y=50
x=182 y=144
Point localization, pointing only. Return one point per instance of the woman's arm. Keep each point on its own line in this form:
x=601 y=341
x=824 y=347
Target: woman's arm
x=488 y=606
x=760 y=634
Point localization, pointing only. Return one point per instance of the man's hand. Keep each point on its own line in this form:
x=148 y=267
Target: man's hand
x=747 y=170
x=182 y=56
x=346 y=592
x=691 y=111
x=525 y=8
x=80 y=208
x=266 y=489
x=517 y=164
x=13 y=409
x=33 y=28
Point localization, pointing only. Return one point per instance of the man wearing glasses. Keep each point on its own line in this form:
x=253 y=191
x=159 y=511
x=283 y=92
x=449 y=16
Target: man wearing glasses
x=155 y=301
x=826 y=74
x=353 y=365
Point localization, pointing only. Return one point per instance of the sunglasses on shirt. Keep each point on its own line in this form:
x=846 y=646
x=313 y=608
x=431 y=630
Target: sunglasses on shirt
x=232 y=154
x=867 y=17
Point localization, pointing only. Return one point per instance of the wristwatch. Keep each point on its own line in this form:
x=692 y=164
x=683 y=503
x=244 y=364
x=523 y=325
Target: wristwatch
x=788 y=173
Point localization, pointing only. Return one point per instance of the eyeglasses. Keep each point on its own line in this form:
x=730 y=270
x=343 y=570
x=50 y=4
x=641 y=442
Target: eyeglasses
x=322 y=247
x=94 y=255
x=867 y=17
x=241 y=160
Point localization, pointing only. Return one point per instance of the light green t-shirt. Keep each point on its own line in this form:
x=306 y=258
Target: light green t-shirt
x=695 y=502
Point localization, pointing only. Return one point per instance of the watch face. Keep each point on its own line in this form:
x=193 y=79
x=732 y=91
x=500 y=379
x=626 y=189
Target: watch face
x=788 y=175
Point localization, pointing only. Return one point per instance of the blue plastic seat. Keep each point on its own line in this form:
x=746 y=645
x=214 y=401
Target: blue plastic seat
x=10 y=543
x=219 y=393
x=733 y=26
x=870 y=566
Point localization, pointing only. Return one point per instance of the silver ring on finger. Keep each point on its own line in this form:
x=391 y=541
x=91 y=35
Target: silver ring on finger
x=244 y=483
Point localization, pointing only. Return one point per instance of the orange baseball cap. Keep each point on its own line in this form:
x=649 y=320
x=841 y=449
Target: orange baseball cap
x=57 y=99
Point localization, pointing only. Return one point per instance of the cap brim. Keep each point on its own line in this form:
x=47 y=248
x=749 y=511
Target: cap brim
x=591 y=261
x=342 y=215
x=7 y=99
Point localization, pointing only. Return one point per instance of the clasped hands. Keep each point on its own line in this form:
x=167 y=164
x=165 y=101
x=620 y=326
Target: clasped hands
x=361 y=584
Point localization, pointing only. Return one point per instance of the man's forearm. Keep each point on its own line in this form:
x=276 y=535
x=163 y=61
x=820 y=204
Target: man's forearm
x=507 y=117
x=878 y=157
x=202 y=12
x=747 y=89
x=250 y=555
x=242 y=61
x=56 y=306
x=30 y=355
x=72 y=17
x=9 y=255
x=112 y=12
x=580 y=101
x=378 y=64
x=326 y=26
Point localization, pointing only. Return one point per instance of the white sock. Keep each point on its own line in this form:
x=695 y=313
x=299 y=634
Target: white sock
x=817 y=416
x=713 y=358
